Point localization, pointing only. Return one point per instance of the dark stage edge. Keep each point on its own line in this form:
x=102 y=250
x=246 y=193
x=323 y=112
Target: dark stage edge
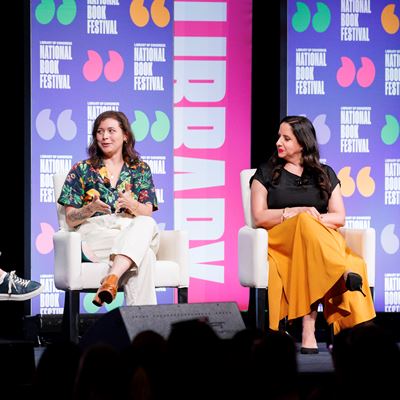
x=320 y=363
x=307 y=363
x=314 y=370
x=44 y=329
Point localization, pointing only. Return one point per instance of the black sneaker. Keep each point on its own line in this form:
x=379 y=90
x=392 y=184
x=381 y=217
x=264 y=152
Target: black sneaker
x=18 y=289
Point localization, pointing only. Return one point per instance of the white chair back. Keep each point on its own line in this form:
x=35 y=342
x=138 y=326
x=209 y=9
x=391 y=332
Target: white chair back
x=245 y=176
x=58 y=182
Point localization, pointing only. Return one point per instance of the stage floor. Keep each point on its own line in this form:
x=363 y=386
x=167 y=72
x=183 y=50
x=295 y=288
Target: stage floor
x=321 y=362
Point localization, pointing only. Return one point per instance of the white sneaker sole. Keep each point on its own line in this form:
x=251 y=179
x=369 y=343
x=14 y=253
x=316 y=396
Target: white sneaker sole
x=20 y=297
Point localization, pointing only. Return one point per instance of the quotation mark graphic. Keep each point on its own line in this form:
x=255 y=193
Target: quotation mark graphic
x=390 y=22
x=347 y=72
x=365 y=183
x=44 y=241
x=322 y=129
x=302 y=17
x=159 y=128
x=140 y=16
x=389 y=241
x=46 y=128
x=46 y=10
x=93 y=67
x=390 y=131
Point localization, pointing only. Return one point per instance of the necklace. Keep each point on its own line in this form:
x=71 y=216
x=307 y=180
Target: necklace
x=110 y=174
x=115 y=172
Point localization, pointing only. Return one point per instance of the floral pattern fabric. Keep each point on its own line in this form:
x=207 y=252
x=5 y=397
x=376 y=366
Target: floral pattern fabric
x=84 y=181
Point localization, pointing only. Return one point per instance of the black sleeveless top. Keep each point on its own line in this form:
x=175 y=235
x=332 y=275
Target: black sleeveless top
x=292 y=190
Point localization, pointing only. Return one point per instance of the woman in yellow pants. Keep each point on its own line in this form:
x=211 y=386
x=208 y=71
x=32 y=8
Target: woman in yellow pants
x=299 y=201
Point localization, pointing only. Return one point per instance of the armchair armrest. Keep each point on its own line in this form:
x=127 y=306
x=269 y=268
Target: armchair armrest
x=67 y=260
x=362 y=242
x=174 y=246
x=253 y=257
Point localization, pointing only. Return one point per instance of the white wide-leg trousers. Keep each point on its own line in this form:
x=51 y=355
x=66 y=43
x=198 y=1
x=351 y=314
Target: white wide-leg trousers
x=137 y=238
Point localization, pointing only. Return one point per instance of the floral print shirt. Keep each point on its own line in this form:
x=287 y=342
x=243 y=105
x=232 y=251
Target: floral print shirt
x=84 y=180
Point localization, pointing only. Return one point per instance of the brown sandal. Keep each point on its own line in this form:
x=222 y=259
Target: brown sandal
x=107 y=291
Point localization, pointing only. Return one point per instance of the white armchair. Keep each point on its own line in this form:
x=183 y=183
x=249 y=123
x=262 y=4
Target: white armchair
x=253 y=252
x=74 y=276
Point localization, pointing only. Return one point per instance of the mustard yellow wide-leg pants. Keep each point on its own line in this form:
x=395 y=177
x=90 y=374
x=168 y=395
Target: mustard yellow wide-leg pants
x=307 y=261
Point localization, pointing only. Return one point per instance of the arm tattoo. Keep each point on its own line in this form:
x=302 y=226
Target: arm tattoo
x=80 y=214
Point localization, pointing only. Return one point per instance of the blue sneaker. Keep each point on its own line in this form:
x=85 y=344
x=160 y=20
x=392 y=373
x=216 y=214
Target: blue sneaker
x=18 y=289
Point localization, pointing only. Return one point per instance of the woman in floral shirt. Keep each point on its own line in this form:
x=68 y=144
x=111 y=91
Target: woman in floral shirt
x=109 y=198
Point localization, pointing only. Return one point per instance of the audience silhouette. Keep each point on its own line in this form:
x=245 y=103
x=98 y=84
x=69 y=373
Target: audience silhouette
x=98 y=360
x=275 y=363
x=367 y=362
x=56 y=371
x=194 y=362
x=144 y=367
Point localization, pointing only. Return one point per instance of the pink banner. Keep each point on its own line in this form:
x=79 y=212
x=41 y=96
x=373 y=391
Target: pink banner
x=212 y=132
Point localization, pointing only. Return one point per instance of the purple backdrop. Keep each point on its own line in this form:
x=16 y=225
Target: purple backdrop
x=343 y=73
x=86 y=57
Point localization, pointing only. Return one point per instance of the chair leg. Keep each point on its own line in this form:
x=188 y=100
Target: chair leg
x=260 y=303
x=71 y=316
x=283 y=325
x=182 y=295
x=326 y=328
x=251 y=311
x=330 y=337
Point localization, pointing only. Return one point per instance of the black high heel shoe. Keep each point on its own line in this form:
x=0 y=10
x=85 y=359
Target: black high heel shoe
x=354 y=282
x=309 y=350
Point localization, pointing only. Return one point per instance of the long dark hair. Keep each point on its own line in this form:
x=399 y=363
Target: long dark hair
x=129 y=154
x=304 y=132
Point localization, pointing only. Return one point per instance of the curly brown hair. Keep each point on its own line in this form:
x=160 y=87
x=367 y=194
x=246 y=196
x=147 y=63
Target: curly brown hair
x=129 y=154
